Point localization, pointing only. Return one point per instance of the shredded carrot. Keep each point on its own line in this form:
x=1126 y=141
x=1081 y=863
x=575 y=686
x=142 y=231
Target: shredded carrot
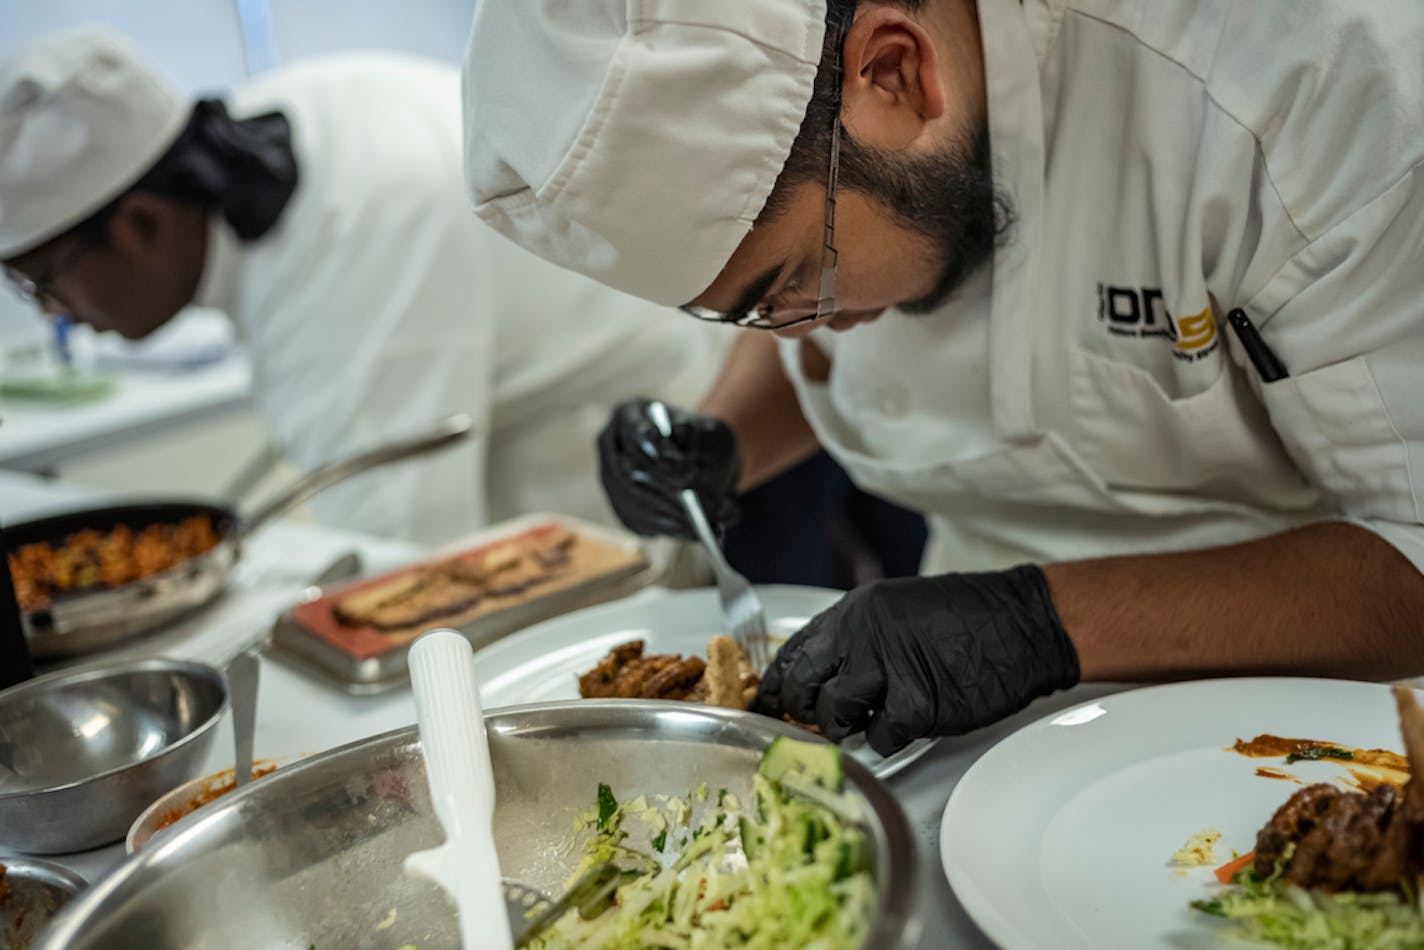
x=1227 y=871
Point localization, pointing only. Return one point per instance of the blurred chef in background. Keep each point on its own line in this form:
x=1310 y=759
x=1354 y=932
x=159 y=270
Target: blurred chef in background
x=322 y=207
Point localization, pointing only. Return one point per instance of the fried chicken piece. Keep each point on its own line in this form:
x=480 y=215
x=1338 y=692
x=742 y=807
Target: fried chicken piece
x=675 y=679
x=633 y=677
x=727 y=670
x=598 y=682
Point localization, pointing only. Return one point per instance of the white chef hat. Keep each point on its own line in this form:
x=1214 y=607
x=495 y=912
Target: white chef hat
x=83 y=116
x=635 y=141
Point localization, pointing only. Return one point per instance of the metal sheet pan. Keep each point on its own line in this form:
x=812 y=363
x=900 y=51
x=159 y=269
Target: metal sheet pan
x=298 y=645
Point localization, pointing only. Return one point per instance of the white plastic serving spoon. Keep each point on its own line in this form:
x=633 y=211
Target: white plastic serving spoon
x=457 y=765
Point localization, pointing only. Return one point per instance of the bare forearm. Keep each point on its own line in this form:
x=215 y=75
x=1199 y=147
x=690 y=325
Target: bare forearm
x=1329 y=599
x=754 y=396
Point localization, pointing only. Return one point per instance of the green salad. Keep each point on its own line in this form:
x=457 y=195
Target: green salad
x=791 y=868
x=1269 y=911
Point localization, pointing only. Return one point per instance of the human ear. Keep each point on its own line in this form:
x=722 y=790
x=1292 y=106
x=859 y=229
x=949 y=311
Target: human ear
x=140 y=224
x=892 y=86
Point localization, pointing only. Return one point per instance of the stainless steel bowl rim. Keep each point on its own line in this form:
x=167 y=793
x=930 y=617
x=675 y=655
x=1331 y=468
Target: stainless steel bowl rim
x=45 y=872
x=894 y=914
x=104 y=670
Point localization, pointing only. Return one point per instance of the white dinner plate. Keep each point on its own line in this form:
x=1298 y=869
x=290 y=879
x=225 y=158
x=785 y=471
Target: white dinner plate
x=543 y=662
x=1061 y=835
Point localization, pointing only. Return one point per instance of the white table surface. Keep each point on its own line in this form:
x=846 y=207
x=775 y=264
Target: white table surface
x=297 y=714
x=35 y=437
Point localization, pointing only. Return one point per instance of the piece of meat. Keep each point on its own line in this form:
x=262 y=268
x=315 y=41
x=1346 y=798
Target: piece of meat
x=356 y=608
x=441 y=597
x=675 y=679
x=517 y=578
x=1336 y=840
x=727 y=668
x=633 y=678
x=553 y=548
x=598 y=682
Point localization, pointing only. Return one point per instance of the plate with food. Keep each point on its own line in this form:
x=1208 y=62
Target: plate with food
x=657 y=644
x=503 y=579
x=1264 y=811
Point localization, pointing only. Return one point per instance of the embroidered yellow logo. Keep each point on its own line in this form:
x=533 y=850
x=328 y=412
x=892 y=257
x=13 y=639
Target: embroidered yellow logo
x=1196 y=331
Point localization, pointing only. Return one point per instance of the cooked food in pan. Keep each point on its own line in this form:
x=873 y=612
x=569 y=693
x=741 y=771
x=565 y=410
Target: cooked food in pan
x=89 y=559
x=1336 y=868
x=725 y=679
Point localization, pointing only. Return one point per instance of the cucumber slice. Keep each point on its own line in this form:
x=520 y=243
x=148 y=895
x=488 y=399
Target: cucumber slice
x=752 y=838
x=819 y=762
x=852 y=858
x=842 y=804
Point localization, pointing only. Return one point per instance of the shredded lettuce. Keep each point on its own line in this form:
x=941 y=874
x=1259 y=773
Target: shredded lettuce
x=802 y=881
x=1270 y=911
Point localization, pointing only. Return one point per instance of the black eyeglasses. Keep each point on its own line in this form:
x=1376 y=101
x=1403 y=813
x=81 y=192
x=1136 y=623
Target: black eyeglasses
x=765 y=316
x=40 y=290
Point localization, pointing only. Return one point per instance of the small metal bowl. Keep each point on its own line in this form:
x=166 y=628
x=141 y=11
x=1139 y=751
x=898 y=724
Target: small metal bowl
x=83 y=751
x=32 y=892
x=179 y=804
x=313 y=854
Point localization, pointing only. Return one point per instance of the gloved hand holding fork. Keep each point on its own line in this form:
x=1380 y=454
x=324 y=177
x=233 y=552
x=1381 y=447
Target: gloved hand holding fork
x=897 y=659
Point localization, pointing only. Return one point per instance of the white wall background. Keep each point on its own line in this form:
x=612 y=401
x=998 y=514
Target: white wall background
x=206 y=46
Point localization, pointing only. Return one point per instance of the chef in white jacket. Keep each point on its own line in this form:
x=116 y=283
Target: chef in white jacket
x=1130 y=298
x=322 y=206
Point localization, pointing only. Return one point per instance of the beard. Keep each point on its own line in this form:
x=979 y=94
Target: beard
x=949 y=198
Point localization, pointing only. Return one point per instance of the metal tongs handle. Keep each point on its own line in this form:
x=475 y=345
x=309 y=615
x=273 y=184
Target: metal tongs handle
x=448 y=432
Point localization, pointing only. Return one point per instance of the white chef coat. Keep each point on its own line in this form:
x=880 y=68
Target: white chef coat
x=1168 y=161
x=379 y=303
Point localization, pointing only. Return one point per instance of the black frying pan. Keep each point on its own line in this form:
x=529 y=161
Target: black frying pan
x=90 y=619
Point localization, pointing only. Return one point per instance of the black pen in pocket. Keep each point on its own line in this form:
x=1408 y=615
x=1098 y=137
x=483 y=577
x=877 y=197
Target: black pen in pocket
x=1267 y=364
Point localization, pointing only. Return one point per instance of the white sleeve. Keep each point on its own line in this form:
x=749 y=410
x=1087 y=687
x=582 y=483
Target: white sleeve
x=1346 y=316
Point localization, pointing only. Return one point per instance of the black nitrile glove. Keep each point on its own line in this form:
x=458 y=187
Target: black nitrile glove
x=923 y=656
x=644 y=471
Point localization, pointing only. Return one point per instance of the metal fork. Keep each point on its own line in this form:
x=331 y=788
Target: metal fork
x=741 y=607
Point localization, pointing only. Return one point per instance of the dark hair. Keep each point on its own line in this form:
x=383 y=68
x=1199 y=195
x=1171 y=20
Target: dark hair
x=810 y=152
x=244 y=168
x=948 y=197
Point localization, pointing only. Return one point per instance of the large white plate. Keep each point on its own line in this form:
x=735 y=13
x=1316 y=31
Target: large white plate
x=1060 y=836
x=543 y=663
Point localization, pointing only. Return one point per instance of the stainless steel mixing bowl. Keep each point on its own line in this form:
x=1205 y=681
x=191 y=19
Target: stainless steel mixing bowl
x=31 y=893
x=83 y=751
x=312 y=855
